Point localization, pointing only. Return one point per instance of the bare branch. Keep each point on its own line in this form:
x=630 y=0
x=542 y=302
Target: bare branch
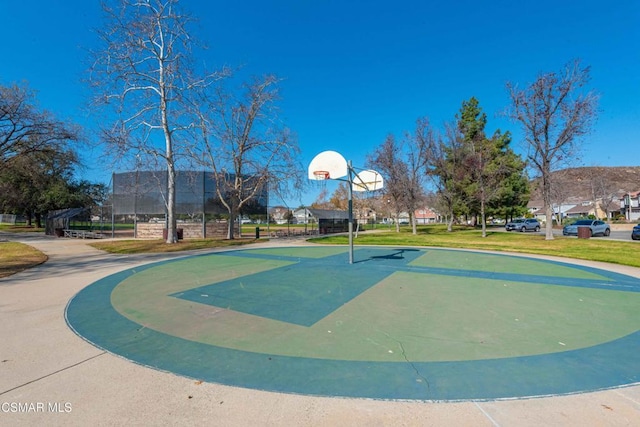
x=554 y=113
x=144 y=74
x=26 y=129
x=245 y=145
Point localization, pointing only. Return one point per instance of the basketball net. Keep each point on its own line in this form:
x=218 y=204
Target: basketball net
x=322 y=177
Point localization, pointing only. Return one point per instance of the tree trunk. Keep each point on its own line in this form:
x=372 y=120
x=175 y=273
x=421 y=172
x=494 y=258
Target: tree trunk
x=171 y=197
x=549 y=226
x=232 y=221
x=483 y=218
x=230 y=232
x=171 y=169
x=450 y=220
x=414 y=227
x=546 y=197
x=450 y=223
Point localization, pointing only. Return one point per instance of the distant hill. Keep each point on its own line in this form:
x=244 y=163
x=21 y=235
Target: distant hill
x=577 y=183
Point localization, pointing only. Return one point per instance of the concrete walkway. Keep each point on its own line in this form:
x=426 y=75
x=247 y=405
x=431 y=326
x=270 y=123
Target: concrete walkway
x=50 y=376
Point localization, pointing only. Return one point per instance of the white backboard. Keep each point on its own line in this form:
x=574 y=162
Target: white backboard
x=367 y=180
x=331 y=162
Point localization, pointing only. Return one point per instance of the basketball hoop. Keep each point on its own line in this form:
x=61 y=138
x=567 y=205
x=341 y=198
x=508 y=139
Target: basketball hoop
x=331 y=165
x=320 y=175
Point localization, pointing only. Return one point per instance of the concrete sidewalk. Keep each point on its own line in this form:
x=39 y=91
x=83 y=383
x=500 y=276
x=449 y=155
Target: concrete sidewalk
x=50 y=376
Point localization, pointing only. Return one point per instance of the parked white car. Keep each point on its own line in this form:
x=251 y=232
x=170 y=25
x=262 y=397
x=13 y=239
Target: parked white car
x=596 y=227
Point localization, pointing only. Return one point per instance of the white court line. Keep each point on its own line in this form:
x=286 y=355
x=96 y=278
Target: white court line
x=487 y=415
x=627 y=397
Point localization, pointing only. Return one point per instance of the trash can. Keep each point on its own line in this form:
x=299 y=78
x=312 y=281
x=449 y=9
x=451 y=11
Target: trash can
x=584 y=232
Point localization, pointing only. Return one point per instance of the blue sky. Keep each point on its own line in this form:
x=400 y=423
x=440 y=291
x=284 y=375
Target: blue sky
x=356 y=71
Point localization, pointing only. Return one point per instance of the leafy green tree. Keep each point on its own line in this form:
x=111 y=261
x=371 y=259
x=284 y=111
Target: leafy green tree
x=487 y=161
x=35 y=183
x=513 y=195
x=36 y=162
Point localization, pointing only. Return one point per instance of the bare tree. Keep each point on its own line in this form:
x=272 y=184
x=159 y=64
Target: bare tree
x=25 y=129
x=340 y=197
x=386 y=159
x=246 y=146
x=555 y=111
x=417 y=145
x=560 y=196
x=603 y=190
x=443 y=163
x=144 y=74
x=321 y=201
x=361 y=204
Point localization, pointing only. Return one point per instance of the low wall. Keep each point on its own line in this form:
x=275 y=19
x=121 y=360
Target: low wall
x=622 y=227
x=147 y=230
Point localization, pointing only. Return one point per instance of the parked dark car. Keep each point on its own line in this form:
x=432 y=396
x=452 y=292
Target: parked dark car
x=635 y=233
x=595 y=227
x=523 y=224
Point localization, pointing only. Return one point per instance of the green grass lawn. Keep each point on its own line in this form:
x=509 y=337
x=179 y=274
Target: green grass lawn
x=20 y=228
x=593 y=249
x=15 y=257
x=159 y=246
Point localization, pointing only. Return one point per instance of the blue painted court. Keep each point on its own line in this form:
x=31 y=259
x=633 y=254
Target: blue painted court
x=399 y=323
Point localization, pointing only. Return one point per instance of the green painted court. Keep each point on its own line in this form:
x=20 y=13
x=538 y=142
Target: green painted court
x=399 y=323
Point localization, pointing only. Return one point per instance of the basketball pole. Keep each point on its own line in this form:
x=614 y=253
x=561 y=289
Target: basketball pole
x=350 y=193
x=328 y=163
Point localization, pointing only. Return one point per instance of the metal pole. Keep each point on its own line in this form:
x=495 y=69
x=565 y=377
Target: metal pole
x=135 y=207
x=350 y=191
x=267 y=207
x=113 y=211
x=204 y=204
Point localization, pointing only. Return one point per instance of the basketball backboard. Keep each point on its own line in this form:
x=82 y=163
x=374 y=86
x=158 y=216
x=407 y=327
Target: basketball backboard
x=328 y=165
x=331 y=165
x=367 y=180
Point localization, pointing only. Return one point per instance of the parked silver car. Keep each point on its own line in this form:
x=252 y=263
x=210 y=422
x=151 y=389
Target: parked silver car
x=523 y=224
x=595 y=227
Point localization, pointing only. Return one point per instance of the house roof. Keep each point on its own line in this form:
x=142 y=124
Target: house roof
x=67 y=213
x=328 y=214
x=613 y=206
x=580 y=209
x=632 y=194
x=426 y=213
